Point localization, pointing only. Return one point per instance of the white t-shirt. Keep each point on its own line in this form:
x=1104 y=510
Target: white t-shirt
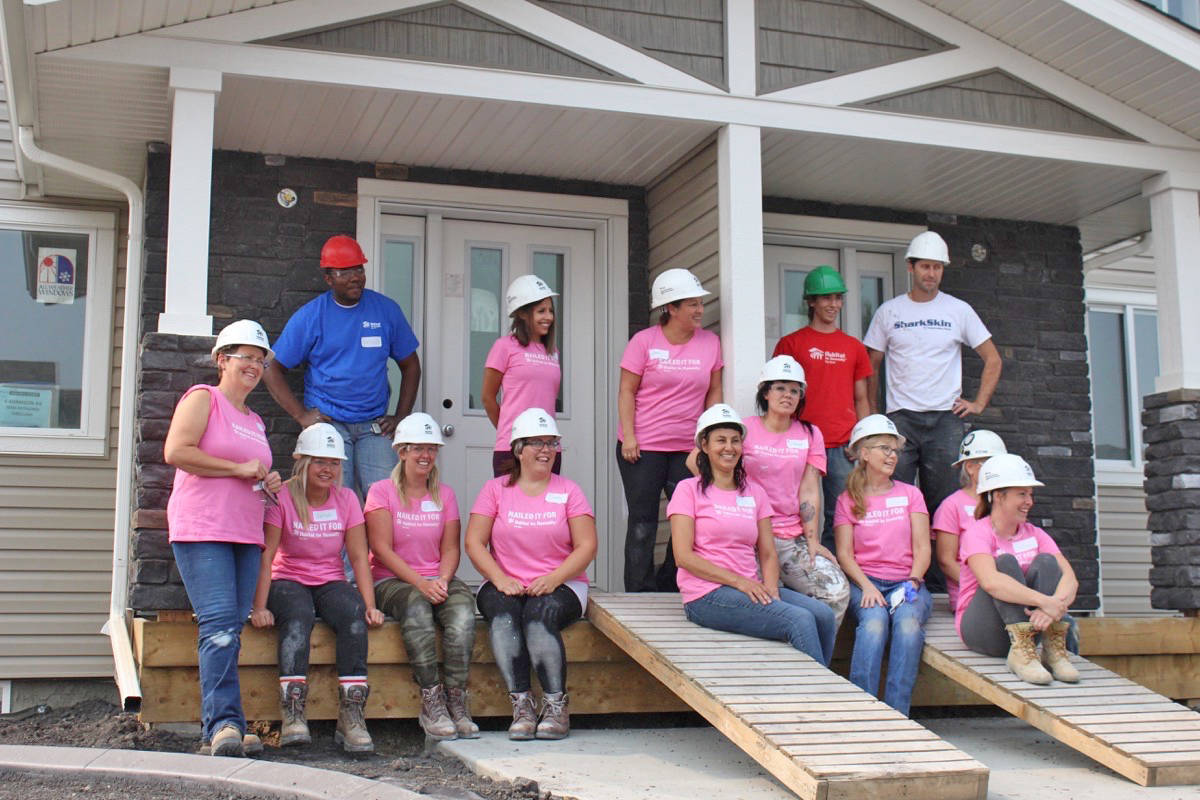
x=922 y=348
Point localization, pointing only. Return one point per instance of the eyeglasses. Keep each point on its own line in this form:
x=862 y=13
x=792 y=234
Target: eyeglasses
x=422 y=449
x=261 y=362
x=541 y=444
x=783 y=388
x=887 y=449
x=347 y=272
x=327 y=462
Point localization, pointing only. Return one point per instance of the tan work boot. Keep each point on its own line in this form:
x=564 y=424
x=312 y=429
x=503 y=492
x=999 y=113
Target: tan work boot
x=1054 y=653
x=227 y=742
x=457 y=700
x=251 y=744
x=555 y=722
x=294 y=728
x=351 y=731
x=524 y=722
x=1023 y=655
x=435 y=719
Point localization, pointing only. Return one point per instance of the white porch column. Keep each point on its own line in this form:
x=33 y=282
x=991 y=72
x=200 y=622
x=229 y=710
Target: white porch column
x=190 y=202
x=1175 y=220
x=740 y=234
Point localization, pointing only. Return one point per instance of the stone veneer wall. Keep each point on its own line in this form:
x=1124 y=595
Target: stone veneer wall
x=1028 y=290
x=1172 y=436
x=263 y=265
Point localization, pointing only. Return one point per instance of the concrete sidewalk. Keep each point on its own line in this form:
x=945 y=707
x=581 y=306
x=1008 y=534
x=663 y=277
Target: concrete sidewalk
x=692 y=763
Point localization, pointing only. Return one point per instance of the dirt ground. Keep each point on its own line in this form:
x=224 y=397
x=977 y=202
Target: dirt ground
x=400 y=757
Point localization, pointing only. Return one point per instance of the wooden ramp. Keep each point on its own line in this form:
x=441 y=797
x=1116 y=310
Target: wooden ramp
x=816 y=732
x=1125 y=726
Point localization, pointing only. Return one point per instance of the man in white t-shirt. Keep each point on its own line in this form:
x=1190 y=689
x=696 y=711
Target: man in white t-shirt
x=921 y=334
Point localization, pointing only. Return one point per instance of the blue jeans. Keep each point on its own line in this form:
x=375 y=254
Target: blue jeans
x=907 y=628
x=369 y=456
x=804 y=623
x=220 y=578
x=837 y=469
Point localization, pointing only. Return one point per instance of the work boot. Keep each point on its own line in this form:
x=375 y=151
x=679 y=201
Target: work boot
x=457 y=700
x=351 y=731
x=555 y=722
x=294 y=729
x=1023 y=655
x=435 y=719
x=1054 y=653
x=227 y=742
x=251 y=744
x=524 y=722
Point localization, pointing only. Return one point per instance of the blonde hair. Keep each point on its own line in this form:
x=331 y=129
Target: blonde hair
x=432 y=485
x=297 y=487
x=856 y=481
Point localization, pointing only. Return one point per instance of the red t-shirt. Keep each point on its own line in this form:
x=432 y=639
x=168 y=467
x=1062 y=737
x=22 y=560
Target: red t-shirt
x=832 y=363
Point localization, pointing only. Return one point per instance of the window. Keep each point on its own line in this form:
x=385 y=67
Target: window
x=56 y=281
x=1186 y=11
x=1123 y=356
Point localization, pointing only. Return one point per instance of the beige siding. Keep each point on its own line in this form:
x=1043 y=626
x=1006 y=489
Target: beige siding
x=1124 y=551
x=56 y=532
x=10 y=179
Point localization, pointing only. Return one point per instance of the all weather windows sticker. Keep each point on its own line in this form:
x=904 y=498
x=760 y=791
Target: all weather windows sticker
x=56 y=276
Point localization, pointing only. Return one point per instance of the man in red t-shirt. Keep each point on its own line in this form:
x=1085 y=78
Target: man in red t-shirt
x=836 y=368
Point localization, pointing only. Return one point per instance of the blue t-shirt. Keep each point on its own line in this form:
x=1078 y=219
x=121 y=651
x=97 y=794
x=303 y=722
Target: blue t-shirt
x=347 y=350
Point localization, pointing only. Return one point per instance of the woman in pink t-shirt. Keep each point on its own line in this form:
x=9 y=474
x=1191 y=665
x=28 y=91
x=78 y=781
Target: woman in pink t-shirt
x=881 y=529
x=523 y=365
x=721 y=535
x=670 y=373
x=413 y=527
x=532 y=535
x=957 y=512
x=302 y=577
x=215 y=515
x=1016 y=584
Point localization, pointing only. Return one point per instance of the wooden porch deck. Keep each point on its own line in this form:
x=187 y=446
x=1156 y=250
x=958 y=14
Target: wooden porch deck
x=816 y=732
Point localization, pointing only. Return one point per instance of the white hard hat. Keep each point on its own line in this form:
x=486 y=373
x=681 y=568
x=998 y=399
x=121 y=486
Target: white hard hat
x=980 y=444
x=524 y=290
x=782 y=368
x=719 y=414
x=928 y=246
x=1005 y=471
x=321 y=440
x=244 y=331
x=673 y=285
x=874 y=425
x=417 y=428
x=533 y=422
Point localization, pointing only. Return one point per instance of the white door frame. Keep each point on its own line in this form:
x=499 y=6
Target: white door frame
x=609 y=218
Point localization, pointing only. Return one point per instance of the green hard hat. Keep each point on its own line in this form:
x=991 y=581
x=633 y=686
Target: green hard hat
x=823 y=280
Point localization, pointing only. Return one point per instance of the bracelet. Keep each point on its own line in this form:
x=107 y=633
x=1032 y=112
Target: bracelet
x=918 y=581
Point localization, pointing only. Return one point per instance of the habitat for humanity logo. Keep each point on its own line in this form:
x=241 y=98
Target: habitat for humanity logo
x=828 y=356
x=923 y=323
x=56 y=276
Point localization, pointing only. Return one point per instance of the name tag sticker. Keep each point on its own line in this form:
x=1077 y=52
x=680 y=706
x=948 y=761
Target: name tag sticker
x=429 y=505
x=896 y=502
x=372 y=341
x=1025 y=545
x=970 y=510
x=557 y=498
x=745 y=502
x=797 y=444
x=659 y=355
x=325 y=515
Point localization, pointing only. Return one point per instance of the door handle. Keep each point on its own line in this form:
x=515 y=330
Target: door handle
x=447 y=431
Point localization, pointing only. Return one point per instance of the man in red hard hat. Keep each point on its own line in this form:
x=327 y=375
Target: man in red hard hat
x=346 y=336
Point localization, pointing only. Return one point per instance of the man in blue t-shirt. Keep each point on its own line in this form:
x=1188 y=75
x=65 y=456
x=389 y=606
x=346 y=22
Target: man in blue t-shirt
x=346 y=336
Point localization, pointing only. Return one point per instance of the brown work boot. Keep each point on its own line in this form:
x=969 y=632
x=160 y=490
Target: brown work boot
x=524 y=722
x=1023 y=655
x=227 y=742
x=351 y=731
x=1054 y=653
x=294 y=728
x=555 y=722
x=435 y=719
x=457 y=700
x=251 y=744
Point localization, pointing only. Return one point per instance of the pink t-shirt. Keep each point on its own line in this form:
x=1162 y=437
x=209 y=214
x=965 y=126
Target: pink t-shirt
x=529 y=379
x=883 y=537
x=530 y=535
x=675 y=380
x=312 y=554
x=726 y=530
x=776 y=462
x=980 y=537
x=953 y=516
x=228 y=509
x=416 y=528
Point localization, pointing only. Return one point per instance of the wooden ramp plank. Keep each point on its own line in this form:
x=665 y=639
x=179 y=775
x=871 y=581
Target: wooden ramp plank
x=823 y=737
x=1126 y=727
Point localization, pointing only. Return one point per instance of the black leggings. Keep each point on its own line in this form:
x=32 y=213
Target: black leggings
x=645 y=480
x=296 y=606
x=984 y=620
x=526 y=630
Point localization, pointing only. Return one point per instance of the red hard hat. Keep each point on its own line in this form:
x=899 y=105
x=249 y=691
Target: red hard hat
x=341 y=252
